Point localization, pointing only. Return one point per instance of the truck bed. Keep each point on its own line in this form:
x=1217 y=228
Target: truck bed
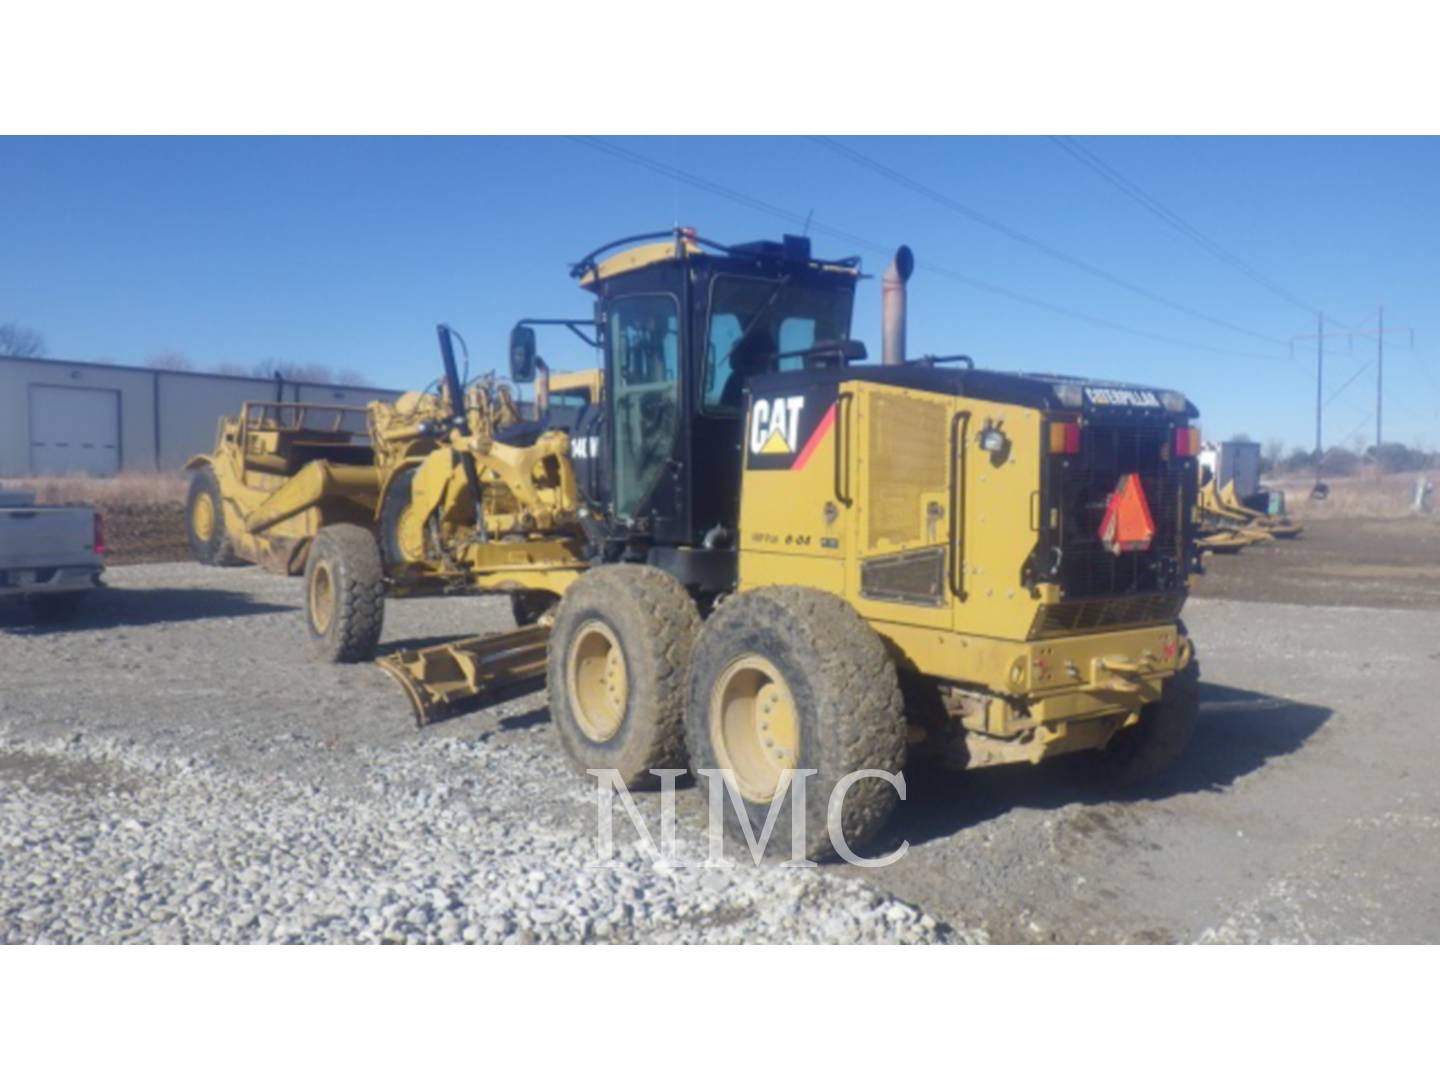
x=47 y=548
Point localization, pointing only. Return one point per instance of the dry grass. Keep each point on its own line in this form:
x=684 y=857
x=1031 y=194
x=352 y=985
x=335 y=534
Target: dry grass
x=137 y=489
x=1365 y=495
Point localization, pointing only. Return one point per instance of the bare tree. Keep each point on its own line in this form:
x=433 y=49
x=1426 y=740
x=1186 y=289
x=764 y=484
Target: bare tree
x=17 y=340
x=351 y=377
x=231 y=368
x=293 y=371
x=169 y=361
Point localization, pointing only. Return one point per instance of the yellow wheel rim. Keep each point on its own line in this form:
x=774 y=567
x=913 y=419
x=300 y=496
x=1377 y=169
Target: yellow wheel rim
x=322 y=598
x=410 y=534
x=597 y=682
x=754 y=726
x=202 y=517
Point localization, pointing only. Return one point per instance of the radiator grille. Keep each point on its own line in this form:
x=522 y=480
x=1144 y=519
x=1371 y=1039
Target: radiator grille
x=907 y=467
x=916 y=577
x=1106 y=612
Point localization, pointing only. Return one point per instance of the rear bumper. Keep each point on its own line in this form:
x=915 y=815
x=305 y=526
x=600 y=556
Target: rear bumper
x=1028 y=684
x=52 y=579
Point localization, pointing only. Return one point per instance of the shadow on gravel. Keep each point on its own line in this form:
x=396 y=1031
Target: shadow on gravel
x=474 y=708
x=107 y=608
x=1239 y=731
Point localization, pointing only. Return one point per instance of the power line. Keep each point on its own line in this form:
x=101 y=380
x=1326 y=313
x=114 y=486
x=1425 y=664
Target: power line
x=1356 y=429
x=1346 y=384
x=760 y=205
x=1088 y=158
x=903 y=180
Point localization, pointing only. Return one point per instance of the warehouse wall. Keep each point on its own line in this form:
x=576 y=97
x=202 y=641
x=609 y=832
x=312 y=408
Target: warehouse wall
x=137 y=407
x=189 y=406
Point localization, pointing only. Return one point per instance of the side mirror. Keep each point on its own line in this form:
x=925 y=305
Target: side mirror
x=522 y=354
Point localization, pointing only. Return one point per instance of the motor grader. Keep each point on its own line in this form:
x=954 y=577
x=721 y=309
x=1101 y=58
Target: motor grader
x=798 y=563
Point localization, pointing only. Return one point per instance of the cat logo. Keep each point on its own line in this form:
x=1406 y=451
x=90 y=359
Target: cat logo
x=775 y=424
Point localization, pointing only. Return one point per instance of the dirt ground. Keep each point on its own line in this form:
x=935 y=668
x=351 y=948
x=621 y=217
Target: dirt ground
x=1344 y=562
x=145 y=534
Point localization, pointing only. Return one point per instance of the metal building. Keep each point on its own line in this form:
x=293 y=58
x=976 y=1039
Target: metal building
x=59 y=416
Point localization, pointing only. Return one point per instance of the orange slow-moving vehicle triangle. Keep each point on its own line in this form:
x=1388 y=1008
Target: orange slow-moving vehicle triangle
x=1127 y=524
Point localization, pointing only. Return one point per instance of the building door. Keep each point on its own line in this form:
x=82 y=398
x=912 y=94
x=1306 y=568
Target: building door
x=74 y=429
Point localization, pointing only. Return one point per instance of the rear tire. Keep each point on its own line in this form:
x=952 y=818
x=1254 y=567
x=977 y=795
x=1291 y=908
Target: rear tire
x=1138 y=754
x=618 y=660
x=205 y=521
x=344 y=594
x=789 y=677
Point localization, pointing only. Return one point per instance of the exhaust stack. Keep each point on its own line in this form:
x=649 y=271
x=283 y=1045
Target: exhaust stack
x=892 y=311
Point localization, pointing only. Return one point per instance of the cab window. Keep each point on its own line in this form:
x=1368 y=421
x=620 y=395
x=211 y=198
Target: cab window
x=643 y=340
x=752 y=320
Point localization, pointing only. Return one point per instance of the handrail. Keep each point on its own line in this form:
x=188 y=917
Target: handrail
x=842 y=496
x=958 y=445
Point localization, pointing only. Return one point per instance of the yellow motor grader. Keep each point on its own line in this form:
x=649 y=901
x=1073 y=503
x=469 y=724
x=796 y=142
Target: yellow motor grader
x=796 y=563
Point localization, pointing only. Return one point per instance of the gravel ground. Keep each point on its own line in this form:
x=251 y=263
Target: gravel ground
x=173 y=768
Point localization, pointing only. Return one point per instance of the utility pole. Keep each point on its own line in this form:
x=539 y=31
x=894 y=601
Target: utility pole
x=1379 y=335
x=1379 y=382
x=1319 y=491
x=1319 y=387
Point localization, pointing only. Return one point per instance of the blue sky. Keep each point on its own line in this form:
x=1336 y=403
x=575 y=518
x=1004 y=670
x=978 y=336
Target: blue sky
x=347 y=251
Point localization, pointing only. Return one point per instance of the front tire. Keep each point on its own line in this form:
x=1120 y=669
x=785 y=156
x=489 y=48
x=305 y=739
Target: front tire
x=793 y=678
x=1138 y=754
x=618 y=660
x=344 y=594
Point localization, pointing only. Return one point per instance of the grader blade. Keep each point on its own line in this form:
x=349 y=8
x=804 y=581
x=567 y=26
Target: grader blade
x=441 y=680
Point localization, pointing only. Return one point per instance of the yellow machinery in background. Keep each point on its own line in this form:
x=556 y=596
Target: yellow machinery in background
x=1227 y=524
x=406 y=499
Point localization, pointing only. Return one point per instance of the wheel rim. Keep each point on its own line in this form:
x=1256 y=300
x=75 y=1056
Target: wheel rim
x=322 y=598
x=411 y=546
x=202 y=517
x=754 y=726
x=597 y=681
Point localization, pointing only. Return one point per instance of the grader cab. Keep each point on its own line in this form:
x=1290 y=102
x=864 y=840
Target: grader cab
x=792 y=570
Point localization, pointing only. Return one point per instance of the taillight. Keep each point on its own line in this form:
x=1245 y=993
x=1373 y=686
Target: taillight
x=1187 y=441
x=1064 y=437
x=99 y=533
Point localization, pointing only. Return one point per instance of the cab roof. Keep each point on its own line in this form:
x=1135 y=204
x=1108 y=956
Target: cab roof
x=680 y=244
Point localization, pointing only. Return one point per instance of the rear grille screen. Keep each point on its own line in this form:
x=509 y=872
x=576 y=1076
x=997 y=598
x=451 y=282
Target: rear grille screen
x=1082 y=484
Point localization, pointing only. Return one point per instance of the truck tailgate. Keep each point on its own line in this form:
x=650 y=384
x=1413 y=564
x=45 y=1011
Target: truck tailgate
x=47 y=536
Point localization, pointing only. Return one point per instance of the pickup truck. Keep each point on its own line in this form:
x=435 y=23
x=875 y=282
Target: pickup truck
x=49 y=555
